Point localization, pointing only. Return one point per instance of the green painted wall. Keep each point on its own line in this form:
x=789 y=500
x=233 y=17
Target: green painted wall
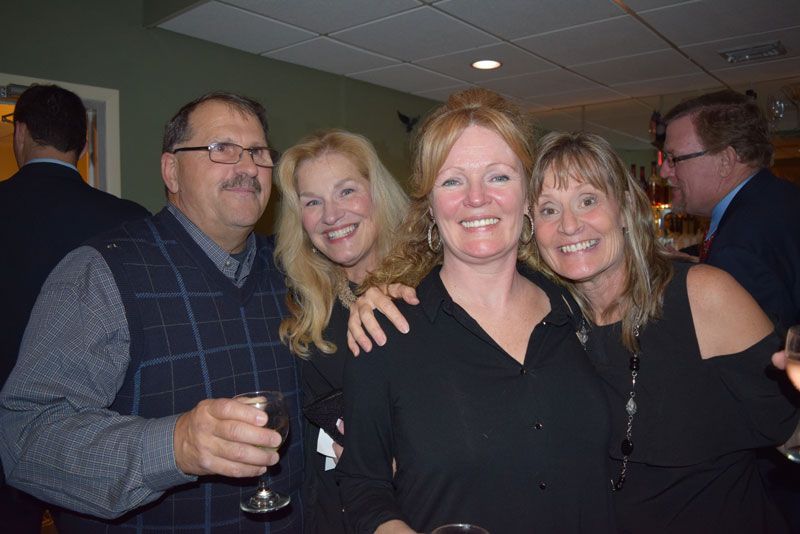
x=104 y=43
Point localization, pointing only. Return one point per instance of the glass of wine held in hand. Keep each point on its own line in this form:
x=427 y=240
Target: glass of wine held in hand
x=274 y=405
x=792 y=368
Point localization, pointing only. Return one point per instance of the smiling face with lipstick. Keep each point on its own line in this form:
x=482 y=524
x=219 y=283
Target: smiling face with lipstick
x=478 y=199
x=337 y=212
x=579 y=232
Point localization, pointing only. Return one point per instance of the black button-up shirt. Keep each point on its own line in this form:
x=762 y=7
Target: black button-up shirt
x=477 y=437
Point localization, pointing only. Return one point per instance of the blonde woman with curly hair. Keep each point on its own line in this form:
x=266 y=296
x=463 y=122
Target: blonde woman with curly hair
x=488 y=409
x=339 y=211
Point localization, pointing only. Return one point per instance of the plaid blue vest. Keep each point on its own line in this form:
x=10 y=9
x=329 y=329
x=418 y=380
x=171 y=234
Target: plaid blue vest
x=194 y=336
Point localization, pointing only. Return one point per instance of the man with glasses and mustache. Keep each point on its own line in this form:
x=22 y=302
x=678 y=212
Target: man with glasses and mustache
x=119 y=409
x=718 y=153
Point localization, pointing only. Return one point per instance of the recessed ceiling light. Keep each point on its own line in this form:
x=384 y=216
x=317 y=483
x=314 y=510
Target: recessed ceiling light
x=753 y=53
x=486 y=64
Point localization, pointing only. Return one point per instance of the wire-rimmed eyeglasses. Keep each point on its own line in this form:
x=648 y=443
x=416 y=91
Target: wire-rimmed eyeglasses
x=672 y=160
x=231 y=153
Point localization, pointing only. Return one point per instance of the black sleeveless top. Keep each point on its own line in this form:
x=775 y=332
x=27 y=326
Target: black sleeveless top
x=693 y=468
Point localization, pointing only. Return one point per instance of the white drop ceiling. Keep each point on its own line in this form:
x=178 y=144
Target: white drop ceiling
x=598 y=65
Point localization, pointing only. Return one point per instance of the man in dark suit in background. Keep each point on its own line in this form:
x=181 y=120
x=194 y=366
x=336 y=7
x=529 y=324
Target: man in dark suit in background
x=46 y=210
x=718 y=151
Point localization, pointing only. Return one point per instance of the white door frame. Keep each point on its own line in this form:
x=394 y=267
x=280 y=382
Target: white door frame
x=111 y=172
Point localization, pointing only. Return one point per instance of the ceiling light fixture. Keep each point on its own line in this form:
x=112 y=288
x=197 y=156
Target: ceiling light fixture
x=754 y=53
x=486 y=64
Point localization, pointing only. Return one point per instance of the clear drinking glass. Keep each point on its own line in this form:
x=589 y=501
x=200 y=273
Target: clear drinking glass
x=274 y=405
x=459 y=528
x=792 y=360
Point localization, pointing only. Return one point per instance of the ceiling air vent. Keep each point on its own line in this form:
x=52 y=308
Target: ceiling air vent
x=754 y=53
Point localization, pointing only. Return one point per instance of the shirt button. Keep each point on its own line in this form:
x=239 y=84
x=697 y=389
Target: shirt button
x=538 y=426
x=542 y=486
x=227 y=263
x=523 y=371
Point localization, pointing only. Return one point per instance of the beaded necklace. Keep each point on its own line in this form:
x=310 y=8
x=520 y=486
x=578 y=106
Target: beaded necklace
x=626 y=446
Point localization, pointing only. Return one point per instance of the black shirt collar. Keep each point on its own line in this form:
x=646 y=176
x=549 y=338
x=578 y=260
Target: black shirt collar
x=433 y=295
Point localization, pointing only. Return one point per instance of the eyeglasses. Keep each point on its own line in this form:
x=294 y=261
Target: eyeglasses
x=231 y=153
x=8 y=117
x=671 y=160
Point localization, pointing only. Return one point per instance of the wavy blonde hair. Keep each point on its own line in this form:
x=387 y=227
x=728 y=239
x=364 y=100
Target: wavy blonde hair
x=412 y=258
x=588 y=158
x=311 y=278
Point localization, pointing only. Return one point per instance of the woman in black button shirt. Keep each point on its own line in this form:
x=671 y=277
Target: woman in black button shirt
x=489 y=409
x=339 y=209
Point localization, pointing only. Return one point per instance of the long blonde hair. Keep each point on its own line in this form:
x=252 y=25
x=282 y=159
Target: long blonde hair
x=588 y=158
x=311 y=278
x=412 y=258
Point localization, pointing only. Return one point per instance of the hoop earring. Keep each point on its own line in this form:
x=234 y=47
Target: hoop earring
x=438 y=246
x=530 y=224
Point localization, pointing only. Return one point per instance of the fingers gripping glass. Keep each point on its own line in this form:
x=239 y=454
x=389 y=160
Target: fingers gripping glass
x=671 y=160
x=274 y=404
x=231 y=153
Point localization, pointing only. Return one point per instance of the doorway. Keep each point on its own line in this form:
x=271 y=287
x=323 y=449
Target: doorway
x=101 y=168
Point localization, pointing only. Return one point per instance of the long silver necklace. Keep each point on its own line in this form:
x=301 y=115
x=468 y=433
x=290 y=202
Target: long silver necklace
x=626 y=446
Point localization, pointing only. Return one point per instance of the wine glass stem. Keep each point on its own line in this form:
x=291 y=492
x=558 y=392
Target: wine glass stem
x=262 y=483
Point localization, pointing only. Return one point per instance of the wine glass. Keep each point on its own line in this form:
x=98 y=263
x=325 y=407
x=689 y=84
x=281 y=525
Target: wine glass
x=792 y=364
x=459 y=528
x=274 y=404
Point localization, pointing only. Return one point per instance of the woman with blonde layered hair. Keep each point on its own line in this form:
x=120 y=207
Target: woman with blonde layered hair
x=313 y=279
x=339 y=211
x=590 y=159
x=682 y=350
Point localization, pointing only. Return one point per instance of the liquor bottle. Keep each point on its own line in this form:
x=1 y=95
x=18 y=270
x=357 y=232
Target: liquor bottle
x=655 y=186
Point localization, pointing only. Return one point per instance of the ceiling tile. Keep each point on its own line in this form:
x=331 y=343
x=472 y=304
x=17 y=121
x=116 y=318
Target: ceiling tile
x=514 y=18
x=641 y=5
x=417 y=34
x=405 y=77
x=710 y=20
x=592 y=42
x=330 y=56
x=514 y=60
x=756 y=72
x=640 y=67
x=231 y=26
x=442 y=94
x=577 y=98
x=530 y=86
x=660 y=86
x=558 y=121
x=707 y=54
x=325 y=16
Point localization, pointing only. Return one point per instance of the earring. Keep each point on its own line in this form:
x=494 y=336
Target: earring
x=530 y=224
x=438 y=246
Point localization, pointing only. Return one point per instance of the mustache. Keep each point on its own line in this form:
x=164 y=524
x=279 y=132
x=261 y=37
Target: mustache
x=242 y=180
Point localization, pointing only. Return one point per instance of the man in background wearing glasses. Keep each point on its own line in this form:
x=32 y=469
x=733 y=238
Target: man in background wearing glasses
x=718 y=153
x=120 y=406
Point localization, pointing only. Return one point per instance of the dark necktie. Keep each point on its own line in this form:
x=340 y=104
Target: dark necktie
x=705 y=247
